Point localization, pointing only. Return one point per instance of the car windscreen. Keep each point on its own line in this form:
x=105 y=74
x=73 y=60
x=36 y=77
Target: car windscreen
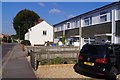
x=93 y=50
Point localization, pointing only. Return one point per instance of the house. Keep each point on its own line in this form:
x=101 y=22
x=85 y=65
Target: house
x=99 y=25
x=1 y=37
x=5 y=38
x=40 y=33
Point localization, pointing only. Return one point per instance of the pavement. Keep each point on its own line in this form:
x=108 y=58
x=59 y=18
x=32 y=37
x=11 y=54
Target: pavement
x=17 y=66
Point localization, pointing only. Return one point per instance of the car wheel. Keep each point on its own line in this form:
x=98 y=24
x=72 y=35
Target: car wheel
x=113 y=74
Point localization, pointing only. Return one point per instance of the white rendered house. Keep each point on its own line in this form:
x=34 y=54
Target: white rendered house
x=40 y=33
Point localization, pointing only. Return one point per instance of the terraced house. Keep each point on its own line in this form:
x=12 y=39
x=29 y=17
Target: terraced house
x=100 y=25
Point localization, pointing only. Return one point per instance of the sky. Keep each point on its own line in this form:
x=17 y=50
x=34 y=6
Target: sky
x=51 y=12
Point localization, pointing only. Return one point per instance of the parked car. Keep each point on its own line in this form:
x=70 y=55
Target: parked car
x=99 y=59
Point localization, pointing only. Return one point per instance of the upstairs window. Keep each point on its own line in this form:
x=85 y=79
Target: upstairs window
x=58 y=28
x=62 y=27
x=87 y=21
x=103 y=17
x=68 y=25
x=77 y=23
x=45 y=33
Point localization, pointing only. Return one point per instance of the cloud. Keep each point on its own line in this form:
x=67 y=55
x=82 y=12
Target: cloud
x=70 y=16
x=55 y=11
x=41 y=4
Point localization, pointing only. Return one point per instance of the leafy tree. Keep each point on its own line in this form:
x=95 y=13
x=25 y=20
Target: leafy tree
x=14 y=36
x=24 y=20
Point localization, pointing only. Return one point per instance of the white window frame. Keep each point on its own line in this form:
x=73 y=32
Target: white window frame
x=89 y=40
x=69 y=25
x=89 y=19
x=102 y=15
x=57 y=28
x=62 y=27
x=78 y=23
x=44 y=32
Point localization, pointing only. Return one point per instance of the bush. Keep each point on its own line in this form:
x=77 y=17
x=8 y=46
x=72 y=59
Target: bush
x=14 y=41
x=44 y=62
x=63 y=40
x=26 y=42
x=57 y=60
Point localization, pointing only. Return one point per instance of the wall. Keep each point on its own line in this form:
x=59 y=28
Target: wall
x=118 y=40
x=26 y=36
x=63 y=25
x=96 y=29
x=36 y=36
x=96 y=17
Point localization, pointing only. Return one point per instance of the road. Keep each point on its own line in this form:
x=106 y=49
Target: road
x=6 y=48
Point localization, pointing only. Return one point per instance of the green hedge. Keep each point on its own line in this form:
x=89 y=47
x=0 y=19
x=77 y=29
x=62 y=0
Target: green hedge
x=26 y=42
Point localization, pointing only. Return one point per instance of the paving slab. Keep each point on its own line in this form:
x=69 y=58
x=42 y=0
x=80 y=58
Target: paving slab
x=18 y=66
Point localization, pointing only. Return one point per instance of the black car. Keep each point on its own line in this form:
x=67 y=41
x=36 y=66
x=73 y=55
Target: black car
x=99 y=59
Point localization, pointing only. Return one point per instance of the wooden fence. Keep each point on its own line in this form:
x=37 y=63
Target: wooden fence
x=40 y=53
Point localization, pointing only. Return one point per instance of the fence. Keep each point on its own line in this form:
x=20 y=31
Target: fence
x=38 y=54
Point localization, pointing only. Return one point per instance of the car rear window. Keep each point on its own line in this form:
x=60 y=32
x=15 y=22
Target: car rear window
x=93 y=50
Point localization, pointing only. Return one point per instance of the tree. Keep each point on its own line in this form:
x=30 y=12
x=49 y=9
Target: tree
x=24 y=20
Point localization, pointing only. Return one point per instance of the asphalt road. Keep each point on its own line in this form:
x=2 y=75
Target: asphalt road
x=6 y=48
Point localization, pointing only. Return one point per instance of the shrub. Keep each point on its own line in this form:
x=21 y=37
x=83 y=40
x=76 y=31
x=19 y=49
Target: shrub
x=26 y=42
x=14 y=41
x=57 y=60
x=63 y=40
x=44 y=62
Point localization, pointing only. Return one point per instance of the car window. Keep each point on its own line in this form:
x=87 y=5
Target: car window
x=92 y=50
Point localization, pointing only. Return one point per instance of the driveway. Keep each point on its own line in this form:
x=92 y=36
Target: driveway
x=58 y=71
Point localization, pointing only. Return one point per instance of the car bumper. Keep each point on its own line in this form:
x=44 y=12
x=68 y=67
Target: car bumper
x=90 y=72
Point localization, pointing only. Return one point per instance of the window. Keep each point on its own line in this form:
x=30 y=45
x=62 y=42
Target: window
x=44 y=32
x=62 y=27
x=76 y=23
x=68 y=25
x=89 y=40
x=87 y=21
x=103 y=17
x=90 y=20
x=57 y=28
x=86 y=40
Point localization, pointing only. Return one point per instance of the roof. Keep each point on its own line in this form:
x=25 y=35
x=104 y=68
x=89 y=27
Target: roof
x=98 y=9
x=39 y=21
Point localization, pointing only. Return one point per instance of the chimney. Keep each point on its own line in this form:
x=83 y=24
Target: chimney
x=39 y=21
